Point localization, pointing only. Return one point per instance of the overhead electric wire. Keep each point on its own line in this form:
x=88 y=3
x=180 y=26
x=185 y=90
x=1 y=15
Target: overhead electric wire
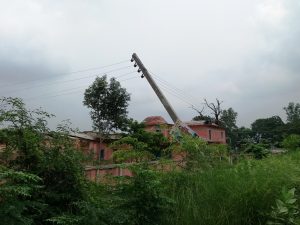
x=173 y=92
x=177 y=96
x=70 y=80
x=180 y=94
x=165 y=87
x=178 y=90
x=76 y=90
x=72 y=72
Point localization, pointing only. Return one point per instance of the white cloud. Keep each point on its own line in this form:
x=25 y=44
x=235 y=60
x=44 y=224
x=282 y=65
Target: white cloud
x=272 y=12
x=207 y=48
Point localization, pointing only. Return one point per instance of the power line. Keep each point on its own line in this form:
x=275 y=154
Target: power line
x=76 y=90
x=175 y=93
x=177 y=96
x=71 y=80
x=165 y=87
x=180 y=95
x=72 y=72
x=180 y=91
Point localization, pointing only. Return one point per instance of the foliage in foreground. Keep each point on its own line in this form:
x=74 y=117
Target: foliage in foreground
x=42 y=182
x=242 y=194
x=292 y=142
x=286 y=210
x=16 y=190
x=34 y=153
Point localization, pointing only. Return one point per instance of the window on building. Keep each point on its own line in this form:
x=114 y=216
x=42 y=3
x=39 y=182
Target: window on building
x=101 y=155
x=222 y=134
x=157 y=128
x=209 y=134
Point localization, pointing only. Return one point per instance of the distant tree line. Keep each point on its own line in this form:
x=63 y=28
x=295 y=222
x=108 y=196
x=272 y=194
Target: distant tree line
x=267 y=131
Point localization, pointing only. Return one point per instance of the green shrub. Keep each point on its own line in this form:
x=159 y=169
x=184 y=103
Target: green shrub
x=286 y=210
x=237 y=195
x=16 y=191
x=145 y=198
x=258 y=150
x=292 y=142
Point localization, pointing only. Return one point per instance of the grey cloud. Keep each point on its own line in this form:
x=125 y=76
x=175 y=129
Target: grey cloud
x=206 y=48
x=21 y=62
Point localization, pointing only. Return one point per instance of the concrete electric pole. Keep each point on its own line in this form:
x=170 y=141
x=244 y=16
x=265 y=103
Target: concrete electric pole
x=160 y=95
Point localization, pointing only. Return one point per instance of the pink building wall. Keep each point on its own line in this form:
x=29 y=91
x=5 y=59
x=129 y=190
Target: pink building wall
x=217 y=135
x=210 y=133
x=99 y=173
x=164 y=129
x=93 y=147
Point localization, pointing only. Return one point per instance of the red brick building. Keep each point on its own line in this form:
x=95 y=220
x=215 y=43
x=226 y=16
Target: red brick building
x=210 y=132
x=88 y=142
x=101 y=154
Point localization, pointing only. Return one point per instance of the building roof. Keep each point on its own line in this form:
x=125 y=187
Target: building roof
x=202 y=123
x=158 y=120
x=194 y=122
x=154 y=120
x=83 y=136
x=90 y=135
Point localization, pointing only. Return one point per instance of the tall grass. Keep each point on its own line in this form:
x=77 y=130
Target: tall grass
x=241 y=194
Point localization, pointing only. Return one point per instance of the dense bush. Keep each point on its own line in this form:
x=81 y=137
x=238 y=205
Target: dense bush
x=42 y=181
x=292 y=142
x=16 y=191
x=242 y=194
x=34 y=153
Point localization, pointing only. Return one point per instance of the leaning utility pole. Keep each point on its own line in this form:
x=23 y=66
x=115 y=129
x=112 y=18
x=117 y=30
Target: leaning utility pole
x=158 y=92
x=160 y=95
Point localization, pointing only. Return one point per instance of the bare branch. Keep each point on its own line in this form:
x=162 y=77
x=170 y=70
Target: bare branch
x=215 y=108
x=197 y=110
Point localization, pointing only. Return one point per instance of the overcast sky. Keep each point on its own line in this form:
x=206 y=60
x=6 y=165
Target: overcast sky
x=246 y=53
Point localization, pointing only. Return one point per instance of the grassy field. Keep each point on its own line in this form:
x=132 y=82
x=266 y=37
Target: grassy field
x=235 y=195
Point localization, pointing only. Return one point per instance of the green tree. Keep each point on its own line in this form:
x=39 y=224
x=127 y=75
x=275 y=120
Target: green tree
x=269 y=129
x=31 y=148
x=292 y=112
x=108 y=103
x=245 y=136
x=293 y=118
x=145 y=198
x=258 y=150
x=155 y=142
x=16 y=191
x=129 y=149
x=228 y=121
x=292 y=142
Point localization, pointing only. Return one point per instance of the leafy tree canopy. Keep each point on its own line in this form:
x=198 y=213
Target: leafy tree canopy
x=292 y=112
x=292 y=142
x=34 y=154
x=228 y=119
x=139 y=139
x=269 y=128
x=108 y=103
